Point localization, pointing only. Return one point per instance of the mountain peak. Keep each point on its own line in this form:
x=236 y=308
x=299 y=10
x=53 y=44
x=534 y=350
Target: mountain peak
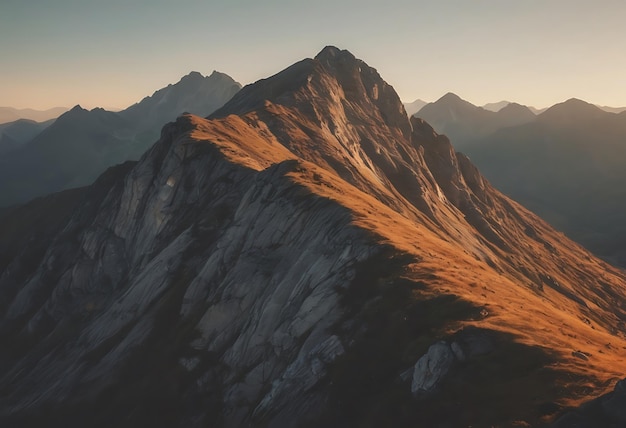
x=572 y=109
x=451 y=96
x=330 y=81
x=453 y=100
x=192 y=76
x=515 y=108
x=331 y=52
x=77 y=108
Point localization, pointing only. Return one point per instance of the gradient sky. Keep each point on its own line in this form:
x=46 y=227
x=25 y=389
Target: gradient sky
x=113 y=53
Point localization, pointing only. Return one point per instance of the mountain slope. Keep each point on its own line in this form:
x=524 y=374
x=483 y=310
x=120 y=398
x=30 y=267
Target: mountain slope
x=463 y=122
x=81 y=144
x=295 y=259
x=568 y=167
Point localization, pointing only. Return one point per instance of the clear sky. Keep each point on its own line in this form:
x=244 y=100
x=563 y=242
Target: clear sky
x=112 y=53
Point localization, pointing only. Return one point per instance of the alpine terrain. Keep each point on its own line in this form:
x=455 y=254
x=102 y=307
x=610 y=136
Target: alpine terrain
x=305 y=256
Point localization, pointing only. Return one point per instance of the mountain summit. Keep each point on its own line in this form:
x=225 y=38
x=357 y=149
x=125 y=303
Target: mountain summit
x=305 y=256
x=571 y=111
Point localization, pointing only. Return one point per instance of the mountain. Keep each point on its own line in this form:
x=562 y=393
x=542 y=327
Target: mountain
x=15 y=134
x=305 y=256
x=194 y=93
x=463 y=122
x=568 y=166
x=10 y=114
x=69 y=153
x=81 y=144
x=612 y=109
x=495 y=107
x=414 y=107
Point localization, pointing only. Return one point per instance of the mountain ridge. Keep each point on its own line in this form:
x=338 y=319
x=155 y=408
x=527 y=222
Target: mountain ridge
x=82 y=143
x=286 y=260
x=463 y=122
x=10 y=114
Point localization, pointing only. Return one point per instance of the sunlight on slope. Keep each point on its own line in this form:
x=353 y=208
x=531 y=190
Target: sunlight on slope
x=570 y=315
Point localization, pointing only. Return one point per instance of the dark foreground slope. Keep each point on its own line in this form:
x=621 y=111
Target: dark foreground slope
x=307 y=256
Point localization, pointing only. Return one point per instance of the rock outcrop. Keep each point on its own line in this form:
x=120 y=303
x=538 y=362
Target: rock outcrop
x=433 y=367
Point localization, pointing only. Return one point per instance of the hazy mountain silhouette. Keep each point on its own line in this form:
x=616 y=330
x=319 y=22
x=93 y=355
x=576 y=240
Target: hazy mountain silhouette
x=414 y=107
x=15 y=134
x=81 y=144
x=306 y=256
x=567 y=166
x=495 y=107
x=10 y=114
x=464 y=122
x=612 y=109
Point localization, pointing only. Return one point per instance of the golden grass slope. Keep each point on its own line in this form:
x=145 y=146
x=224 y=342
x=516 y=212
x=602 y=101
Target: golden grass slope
x=542 y=289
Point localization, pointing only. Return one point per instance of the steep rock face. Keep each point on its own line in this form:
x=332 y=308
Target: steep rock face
x=283 y=262
x=215 y=239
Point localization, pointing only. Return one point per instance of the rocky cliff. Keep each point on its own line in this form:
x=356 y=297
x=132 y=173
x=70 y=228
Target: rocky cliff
x=305 y=256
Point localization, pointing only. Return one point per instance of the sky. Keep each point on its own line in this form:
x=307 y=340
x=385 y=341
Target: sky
x=113 y=53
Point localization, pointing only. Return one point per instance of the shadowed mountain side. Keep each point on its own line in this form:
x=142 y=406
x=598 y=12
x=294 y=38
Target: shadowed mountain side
x=463 y=122
x=81 y=144
x=194 y=93
x=304 y=249
x=568 y=166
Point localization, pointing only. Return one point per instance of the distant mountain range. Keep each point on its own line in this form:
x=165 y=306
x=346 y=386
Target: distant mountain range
x=464 y=122
x=10 y=114
x=15 y=134
x=81 y=144
x=568 y=164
